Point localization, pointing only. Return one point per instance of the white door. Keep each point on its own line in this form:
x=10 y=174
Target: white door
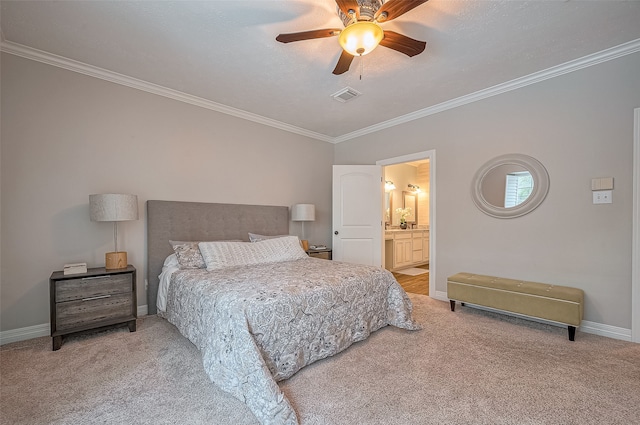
x=357 y=214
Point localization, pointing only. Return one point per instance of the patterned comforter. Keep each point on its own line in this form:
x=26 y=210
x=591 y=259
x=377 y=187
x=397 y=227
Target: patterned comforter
x=256 y=325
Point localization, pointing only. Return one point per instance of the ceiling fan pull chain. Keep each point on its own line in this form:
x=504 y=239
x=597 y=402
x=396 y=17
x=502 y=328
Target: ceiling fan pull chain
x=361 y=66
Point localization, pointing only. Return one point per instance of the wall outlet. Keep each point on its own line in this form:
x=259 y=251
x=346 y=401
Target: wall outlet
x=603 y=197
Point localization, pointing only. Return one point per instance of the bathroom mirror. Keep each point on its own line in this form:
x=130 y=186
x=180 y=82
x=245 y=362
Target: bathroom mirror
x=388 y=206
x=410 y=200
x=510 y=186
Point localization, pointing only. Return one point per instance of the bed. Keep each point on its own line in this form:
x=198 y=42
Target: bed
x=257 y=322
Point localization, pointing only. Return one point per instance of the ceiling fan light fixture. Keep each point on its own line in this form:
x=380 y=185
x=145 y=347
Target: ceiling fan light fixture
x=360 y=38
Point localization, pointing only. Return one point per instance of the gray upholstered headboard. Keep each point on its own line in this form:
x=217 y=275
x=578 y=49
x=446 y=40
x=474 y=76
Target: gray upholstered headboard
x=197 y=221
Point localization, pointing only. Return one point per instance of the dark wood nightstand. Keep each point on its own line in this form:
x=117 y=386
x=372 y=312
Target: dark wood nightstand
x=91 y=300
x=325 y=254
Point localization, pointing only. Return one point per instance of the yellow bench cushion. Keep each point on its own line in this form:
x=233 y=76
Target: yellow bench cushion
x=551 y=302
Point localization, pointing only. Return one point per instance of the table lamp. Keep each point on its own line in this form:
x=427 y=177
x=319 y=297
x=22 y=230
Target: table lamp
x=114 y=207
x=303 y=212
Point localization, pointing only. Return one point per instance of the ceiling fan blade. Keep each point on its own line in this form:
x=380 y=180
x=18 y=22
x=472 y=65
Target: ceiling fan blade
x=308 y=35
x=343 y=63
x=395 y=8
x=345 y=5
x=402 y=43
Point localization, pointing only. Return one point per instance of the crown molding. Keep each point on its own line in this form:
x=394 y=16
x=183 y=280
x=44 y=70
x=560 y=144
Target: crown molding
x=114 y=77
x=574 y=65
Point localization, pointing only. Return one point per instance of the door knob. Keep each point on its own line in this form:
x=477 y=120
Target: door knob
x=335 y=233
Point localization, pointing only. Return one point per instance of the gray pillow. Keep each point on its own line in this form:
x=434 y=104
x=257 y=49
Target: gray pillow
x=188 y=254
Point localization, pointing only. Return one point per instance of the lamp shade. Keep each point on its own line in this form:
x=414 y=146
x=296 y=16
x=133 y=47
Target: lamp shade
x=113 y=207
x=303 y=212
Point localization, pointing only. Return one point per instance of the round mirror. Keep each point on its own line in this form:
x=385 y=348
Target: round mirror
x=509 y=186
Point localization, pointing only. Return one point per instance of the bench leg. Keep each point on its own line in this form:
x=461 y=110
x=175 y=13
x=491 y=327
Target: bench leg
x=572 y=333
x=453 y=305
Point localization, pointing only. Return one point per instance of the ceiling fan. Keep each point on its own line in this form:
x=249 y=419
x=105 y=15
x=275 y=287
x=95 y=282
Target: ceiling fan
x=362 y=33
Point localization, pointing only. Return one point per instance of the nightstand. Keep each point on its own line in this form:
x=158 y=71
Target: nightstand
x=325 y=254
x=91 y=300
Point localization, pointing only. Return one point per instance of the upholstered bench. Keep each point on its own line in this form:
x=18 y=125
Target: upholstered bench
x=560 y=304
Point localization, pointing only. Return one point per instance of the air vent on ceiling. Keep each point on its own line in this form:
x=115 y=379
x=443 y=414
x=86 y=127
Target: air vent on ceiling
x=346 y=94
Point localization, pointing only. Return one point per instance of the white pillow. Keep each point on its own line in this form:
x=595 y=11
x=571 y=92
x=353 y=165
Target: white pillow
x=254 y=237
x=171 y=261
x=221 y=254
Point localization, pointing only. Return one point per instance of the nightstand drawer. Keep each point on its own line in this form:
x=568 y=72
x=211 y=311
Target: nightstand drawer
x=325 y=255
x=92 y=310
x=77 y=289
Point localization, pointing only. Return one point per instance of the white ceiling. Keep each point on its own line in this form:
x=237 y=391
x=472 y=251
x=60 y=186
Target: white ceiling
x=223 y=54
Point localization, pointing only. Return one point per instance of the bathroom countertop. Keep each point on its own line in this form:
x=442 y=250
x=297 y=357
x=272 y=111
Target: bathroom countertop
x=390 y=232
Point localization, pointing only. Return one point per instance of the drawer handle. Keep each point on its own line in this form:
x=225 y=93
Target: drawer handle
x=96 y=298
x=95 y=277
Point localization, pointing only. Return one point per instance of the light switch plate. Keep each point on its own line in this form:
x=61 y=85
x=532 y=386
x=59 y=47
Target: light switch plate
x=603 y=197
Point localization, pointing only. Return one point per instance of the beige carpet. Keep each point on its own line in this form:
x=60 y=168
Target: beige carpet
x=467 y=367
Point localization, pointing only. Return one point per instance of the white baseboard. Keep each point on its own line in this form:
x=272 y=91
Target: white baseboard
x=585 y=326
x=15 y=335
x=441 y=296
x=30 y=332
x=605 y=330
x=44 y=329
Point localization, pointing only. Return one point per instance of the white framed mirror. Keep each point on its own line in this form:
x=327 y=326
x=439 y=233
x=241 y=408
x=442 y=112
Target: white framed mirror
x=410 y=200
x=510 y=186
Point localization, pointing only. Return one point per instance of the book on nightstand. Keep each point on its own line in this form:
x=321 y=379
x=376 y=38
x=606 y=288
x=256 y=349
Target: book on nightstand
x=74 y=268
x=318 y=247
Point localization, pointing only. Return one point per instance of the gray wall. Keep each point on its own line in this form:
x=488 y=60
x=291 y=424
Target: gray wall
x=580 y=126
x=66 y=135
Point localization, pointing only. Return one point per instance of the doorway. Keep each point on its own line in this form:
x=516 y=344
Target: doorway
x=402 y=249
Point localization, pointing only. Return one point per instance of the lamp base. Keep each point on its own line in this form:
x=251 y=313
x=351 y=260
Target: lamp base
x=305 y=244
x=115 y=260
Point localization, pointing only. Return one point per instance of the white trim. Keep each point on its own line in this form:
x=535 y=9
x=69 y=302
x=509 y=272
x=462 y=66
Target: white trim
x=441 y=295
x=431 y=156
x=114 y=77
x=15 y=335
x=605 y=330
x=635 y=241
x=37 y=331
x=585 y=326
x=72 y=65
x=536 y=77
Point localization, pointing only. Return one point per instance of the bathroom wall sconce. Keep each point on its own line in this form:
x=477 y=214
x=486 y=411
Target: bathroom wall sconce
x=388 y=185
x=414 y=188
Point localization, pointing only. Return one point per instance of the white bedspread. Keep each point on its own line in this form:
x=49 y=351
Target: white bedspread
x=260 y=324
